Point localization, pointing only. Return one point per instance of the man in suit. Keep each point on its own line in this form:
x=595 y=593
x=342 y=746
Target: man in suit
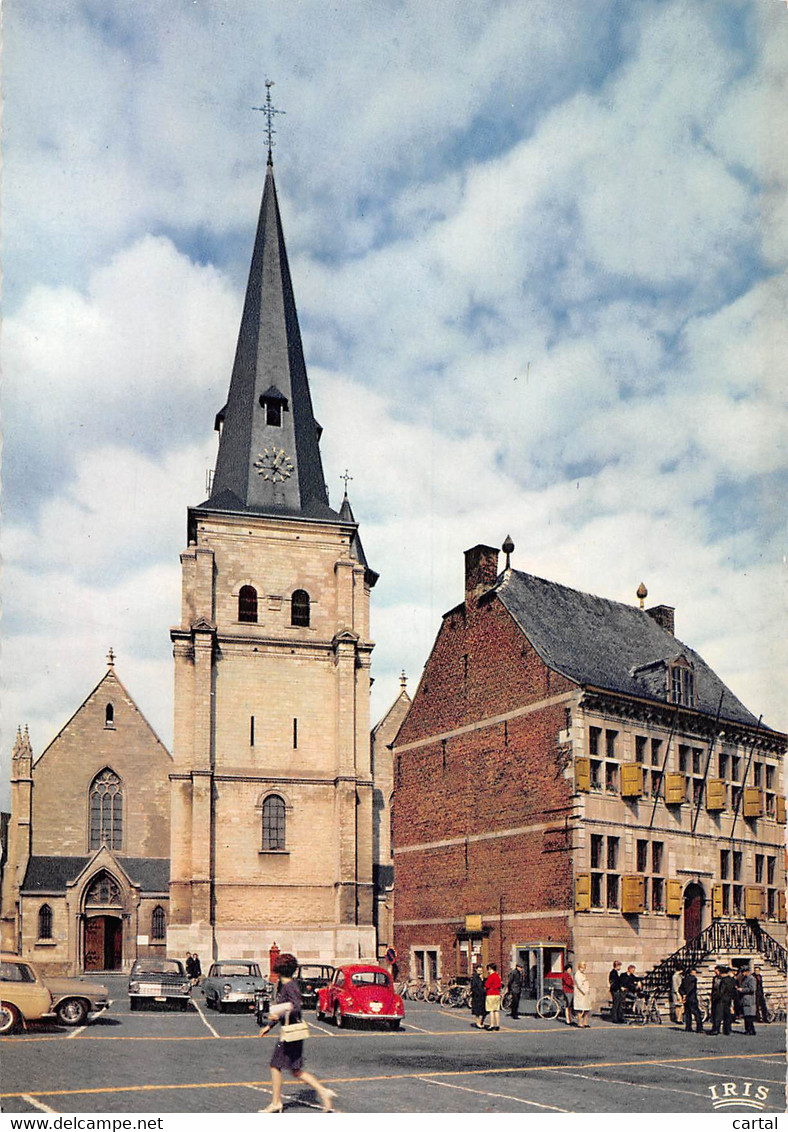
x=617 y=992
x=728 y=992
x=748 y=988
x=716 y=1009
x=689 y=991
x=515 y=987
x=760 y=997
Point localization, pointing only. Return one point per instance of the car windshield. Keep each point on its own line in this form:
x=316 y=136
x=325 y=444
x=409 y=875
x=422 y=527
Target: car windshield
x=224 y=970
x=158 y=967
x=370 y=978
x=313 y=973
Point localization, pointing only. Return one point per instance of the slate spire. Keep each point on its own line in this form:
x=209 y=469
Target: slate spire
x=269 y=459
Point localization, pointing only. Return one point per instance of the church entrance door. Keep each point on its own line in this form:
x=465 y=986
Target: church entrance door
x=103 y=943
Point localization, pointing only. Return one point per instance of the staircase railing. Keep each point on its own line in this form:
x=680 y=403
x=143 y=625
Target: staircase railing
x=721 y=935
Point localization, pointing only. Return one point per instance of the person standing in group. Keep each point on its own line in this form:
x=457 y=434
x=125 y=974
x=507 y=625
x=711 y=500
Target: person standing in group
x=568 y=991
x=582 y=1003
x=189 y=965
x=749 y=991
x=515 y=988
x=478 y=997
x=727 y=993
x=289 y=1052
x=617 y=992
x=689 y=991
x=196 y=968
x=761 y=1012
x=716 y=1008
x=676 y=1004
x=492 y=1005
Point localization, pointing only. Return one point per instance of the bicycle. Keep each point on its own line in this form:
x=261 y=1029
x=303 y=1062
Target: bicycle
x=455 y=996
x=775 y=1008
x=549 y=1005
x=645 y=1010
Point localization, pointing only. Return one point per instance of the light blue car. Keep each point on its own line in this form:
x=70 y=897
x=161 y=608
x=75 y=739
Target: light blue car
x=233 y=982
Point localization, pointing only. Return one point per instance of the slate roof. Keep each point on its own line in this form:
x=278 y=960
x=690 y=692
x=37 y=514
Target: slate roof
x=53 y=874
x=269 y=356
x=602 y=643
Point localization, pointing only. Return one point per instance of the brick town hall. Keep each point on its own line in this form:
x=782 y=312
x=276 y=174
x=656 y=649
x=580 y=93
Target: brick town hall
x=570 y=781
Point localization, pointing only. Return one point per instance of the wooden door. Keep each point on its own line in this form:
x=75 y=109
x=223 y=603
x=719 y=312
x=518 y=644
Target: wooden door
x=94 y=944
x=693 y=912
x=113 y=943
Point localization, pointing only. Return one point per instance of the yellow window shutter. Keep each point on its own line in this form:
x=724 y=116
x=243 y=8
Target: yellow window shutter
x=716 y=901
x=781 y=907
x=673 y=898
x=631 y=780
x=675 y=789
x=715 y=794
x=753 y=802
x=753 y=902
x=582 y=892
x=780 y=815
x=582 y=775
x=633 y=895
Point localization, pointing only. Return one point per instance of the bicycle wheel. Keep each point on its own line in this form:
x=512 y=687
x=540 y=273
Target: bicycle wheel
x=506 y=1001
x=653 y=1014
x=547 y=1006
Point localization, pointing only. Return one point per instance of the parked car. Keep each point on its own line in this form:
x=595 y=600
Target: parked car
x=24 y=996
x=74 y=999
x=361 y=991
x=233 y=982
x=159 y=980
x=310 y=978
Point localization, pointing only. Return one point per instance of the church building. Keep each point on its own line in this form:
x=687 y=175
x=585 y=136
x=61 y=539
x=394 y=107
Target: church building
x=86 y=884
x=272 y=791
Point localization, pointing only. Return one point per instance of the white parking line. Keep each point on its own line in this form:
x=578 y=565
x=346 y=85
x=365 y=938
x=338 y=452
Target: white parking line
x=77 y=1032
x=205 y=1020
x=410 y=1026
x=599 y=1079
x=322 y=1029
x=37 y=1104
x=710 y=1073
x=289 y=1096
x=499 y=1096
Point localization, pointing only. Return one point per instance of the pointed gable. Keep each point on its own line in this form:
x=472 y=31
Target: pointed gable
x=269 y=459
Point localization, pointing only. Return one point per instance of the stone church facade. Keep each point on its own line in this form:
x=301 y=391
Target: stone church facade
x=86 y=884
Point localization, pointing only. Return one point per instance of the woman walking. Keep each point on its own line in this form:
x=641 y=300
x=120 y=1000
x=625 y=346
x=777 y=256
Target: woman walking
x=289 y=1054
x=582 y=995
x=568 y=988
x=478 y=997
x=492 y=1003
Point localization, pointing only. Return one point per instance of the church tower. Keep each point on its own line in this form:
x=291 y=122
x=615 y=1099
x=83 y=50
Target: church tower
x=272 y=787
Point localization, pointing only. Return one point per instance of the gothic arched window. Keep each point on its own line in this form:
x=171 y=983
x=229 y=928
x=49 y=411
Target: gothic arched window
x=274 y=822
x=109 y=716
x=44 y=922
x=104 y=892
x=299 y=608
x=247 y=604
x=158 y=924
x=106 y=811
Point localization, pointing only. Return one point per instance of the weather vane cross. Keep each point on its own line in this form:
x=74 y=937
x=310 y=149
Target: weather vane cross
x=347 y=476
x=269 y=110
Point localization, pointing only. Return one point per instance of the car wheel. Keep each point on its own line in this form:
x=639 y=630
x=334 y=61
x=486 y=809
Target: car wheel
x=339 y=1020
x=220 y=1006
x=184 y=1004
x=395 y=1024
x=135 y=1004
x=72 y=1011
x=9 y=1018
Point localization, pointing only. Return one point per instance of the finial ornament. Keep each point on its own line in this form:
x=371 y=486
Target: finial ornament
x=403 y=680
x=347 y=476
x=111 y=658
x=508 y=549
x=269 y=110
x=642 y=594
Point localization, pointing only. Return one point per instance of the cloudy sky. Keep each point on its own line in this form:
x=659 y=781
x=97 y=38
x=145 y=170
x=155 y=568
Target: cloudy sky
x=538 y=250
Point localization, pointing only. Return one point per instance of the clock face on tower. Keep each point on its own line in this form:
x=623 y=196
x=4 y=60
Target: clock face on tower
x=274 y=464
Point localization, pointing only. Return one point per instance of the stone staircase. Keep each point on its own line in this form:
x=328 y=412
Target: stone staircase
x=724 y=942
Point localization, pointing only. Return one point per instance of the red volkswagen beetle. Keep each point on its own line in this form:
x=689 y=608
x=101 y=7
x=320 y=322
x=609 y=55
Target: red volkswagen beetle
x=361 y=990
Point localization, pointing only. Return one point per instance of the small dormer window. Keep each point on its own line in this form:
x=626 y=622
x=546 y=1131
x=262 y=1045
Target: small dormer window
x=682 y=684
x=273 y=404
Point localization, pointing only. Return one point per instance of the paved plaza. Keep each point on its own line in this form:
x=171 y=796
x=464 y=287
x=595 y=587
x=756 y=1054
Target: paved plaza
x=157 y=1061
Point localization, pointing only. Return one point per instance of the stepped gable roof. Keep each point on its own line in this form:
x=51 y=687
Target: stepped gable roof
x=54 y=874
x=607 y=644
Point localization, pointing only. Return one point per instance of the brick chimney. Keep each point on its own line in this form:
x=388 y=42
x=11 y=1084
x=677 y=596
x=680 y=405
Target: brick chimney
x=664 y=615
x=481 y=570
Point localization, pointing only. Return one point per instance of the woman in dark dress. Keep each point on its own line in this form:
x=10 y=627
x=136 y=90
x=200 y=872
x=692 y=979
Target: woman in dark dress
x=478 y=997
x=290 y=1055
